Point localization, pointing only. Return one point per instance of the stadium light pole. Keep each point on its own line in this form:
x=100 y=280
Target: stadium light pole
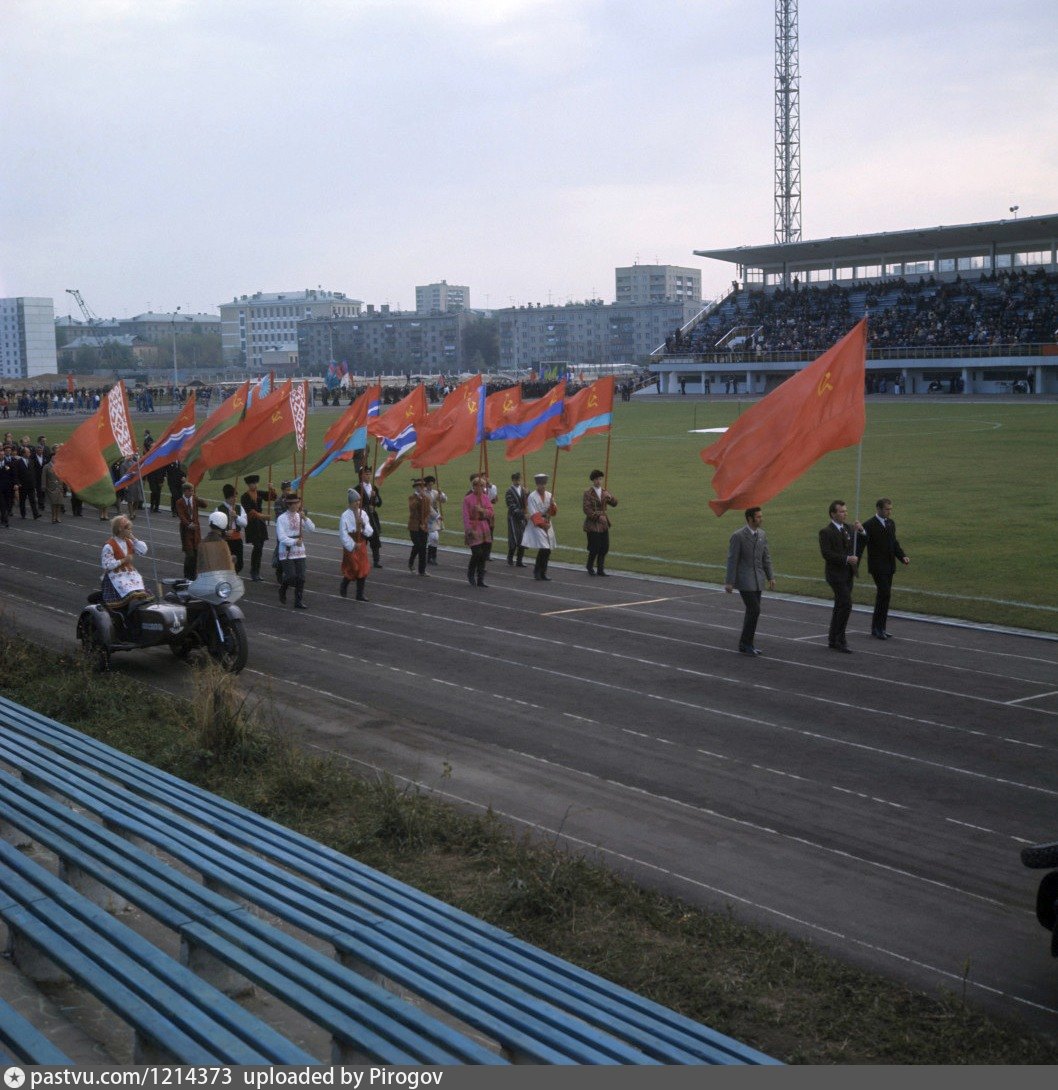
x=1014 y=210
x=175 y=313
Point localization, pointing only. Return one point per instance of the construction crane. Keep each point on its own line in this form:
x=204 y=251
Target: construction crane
x=89 y=317
x=92 y=323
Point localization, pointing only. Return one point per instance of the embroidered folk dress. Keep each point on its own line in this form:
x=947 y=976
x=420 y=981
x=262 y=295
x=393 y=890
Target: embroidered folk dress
x=354 y=529
x=122 y=587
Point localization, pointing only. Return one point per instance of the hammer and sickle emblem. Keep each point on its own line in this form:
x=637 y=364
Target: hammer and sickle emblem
x=824 y=384
x=237 y=403
x=277 y=416
x=508 y=405
x=409 y=413
x=472 y=405
x=593 y=400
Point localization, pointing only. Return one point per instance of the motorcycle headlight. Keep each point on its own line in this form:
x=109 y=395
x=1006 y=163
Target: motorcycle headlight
x=223 y=590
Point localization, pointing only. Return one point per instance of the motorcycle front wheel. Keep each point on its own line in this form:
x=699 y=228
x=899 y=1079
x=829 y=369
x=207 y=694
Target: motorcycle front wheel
x=233 y=653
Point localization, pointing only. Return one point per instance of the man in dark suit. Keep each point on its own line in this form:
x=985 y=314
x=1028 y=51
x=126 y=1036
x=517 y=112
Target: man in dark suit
x=27 y=488
x=883 y=551
x=838 y=546
x=187 y=508
x=748 y=569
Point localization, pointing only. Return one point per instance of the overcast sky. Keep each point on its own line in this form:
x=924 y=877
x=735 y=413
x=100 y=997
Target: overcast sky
x=164 y=153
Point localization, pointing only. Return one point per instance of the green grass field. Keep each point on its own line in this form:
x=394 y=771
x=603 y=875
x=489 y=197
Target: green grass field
x=974 y=489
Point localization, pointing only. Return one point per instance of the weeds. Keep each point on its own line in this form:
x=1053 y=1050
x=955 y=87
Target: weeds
x=776 y=993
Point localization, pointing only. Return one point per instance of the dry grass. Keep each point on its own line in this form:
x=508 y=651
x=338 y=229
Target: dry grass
x=773 y=992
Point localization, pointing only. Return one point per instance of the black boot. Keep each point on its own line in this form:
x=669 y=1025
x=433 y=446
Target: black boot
x=299 y=590
x=360 y=596
x=283 y=593
x=431 y=554
x=343 y=588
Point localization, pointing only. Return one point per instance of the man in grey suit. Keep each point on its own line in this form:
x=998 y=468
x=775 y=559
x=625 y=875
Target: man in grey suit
x=748 y=568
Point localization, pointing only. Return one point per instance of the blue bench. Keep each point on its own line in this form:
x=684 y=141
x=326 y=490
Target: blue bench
x=22 y=1043
x=533 y=1006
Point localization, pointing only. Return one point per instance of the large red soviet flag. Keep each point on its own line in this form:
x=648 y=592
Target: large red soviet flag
x=455 y=428
x=818 y=410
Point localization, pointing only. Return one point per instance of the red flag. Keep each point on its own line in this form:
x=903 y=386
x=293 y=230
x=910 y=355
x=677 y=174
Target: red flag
x=226 y=415
x=818 y=410
x=354 y=418
x=409 y=410
x=499 y=407
x=83 y=461
x=587 y=412
x=456 y=428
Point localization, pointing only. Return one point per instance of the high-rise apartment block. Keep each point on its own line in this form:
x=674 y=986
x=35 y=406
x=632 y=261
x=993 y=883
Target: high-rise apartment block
x=27 y=337
x=587 y=333
x=385 y=342
x=442 y=298
x=658 y=284
x=251 y=325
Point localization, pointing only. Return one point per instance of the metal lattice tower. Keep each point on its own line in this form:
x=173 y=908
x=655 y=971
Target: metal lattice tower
x=787 y=124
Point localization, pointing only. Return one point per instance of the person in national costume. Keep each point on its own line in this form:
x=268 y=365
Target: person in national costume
x=540 y=509
x=122 y=583
x=354 y=529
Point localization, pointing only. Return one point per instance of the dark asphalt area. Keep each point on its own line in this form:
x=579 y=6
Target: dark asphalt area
x=873 y=803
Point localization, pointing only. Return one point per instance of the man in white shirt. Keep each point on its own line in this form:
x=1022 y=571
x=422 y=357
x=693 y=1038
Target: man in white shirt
x=290 y=529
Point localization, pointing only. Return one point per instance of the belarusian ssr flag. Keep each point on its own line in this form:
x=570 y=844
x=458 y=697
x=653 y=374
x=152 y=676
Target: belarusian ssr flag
x=272 y=431
x=83 y=461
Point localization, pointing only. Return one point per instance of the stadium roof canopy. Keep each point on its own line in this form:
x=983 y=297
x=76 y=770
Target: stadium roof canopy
x=1035 y=233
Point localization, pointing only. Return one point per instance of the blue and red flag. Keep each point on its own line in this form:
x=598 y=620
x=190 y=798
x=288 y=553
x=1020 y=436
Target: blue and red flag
x=348 y=433
x=167 y=449
x=532 y=423
x=588 y=412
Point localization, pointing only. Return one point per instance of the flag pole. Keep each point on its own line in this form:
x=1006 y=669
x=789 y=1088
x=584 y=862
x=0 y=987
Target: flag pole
x=606 y=467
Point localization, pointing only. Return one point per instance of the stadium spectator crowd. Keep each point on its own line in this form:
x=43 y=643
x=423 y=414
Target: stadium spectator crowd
x=1002 y=308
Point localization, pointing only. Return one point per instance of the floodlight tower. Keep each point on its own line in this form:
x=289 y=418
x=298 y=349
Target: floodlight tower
x=787 y=124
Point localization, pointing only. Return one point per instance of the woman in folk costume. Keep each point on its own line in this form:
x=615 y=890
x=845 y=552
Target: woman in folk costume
x=354 y=529
x=478 y=520
x=539 y=534
x=122 y=584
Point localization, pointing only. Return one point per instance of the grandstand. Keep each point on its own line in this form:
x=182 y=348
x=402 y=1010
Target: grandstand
x=970 y=309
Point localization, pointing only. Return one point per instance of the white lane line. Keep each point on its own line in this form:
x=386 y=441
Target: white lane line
x=593 y=846
x=1035 y=696
x=870 y=798
x=720 y=713
x=967 y=825
x=616 y=605
x=756 y=827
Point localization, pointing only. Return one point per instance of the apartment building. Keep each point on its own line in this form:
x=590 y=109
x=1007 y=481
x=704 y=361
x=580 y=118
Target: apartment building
x=384 y=342
x=441 y=298
x=658 y=284
x=251 y=325
x=27 y=337
x=593 y=333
